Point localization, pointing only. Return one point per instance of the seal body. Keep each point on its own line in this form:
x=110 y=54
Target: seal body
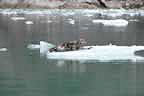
x=68 y=46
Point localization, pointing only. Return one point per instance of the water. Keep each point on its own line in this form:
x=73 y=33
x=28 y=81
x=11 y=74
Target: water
x=24 y=73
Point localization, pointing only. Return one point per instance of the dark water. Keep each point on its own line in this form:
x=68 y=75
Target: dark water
x=24 y=73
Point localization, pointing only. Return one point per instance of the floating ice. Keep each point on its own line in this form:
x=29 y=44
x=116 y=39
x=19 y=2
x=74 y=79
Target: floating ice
x=49 y=21
x=71 y=21
x=102 y=53
x=67 y=13
x=44 y=47
x=29 y=22
x=134 y=20
x=88 y=15
x=117 y=22
x=17 y=18
x=3 y=49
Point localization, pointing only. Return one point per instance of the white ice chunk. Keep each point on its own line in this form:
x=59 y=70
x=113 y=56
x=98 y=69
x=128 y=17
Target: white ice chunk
x=134 y=20
x=116 y=23
x=33 y=46
x=71 y=21
x=88 y=15
x=44 y=47
x=49 y=21
x=68 y=13
x=17 y=18
x=29 y=22
x=3 y=49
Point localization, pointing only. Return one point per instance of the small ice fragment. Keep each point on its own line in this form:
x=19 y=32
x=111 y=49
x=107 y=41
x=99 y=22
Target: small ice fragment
x=134 y=20
x=29 y=22
x=49 y=21
x=17 y=18
x=116 y=23
x=3 y=49
x=45 y=46
x=71 y=21
x=33 y=46
x=89 y=15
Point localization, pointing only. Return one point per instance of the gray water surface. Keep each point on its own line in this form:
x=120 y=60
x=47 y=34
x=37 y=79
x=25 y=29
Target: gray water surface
x=24 y=73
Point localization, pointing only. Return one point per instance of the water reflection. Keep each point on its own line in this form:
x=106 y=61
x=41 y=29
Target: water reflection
x=95 y=78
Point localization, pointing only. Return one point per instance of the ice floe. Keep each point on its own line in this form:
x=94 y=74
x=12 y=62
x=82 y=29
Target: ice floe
x=117 y=22
x=105 y=52
x=100 y=53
